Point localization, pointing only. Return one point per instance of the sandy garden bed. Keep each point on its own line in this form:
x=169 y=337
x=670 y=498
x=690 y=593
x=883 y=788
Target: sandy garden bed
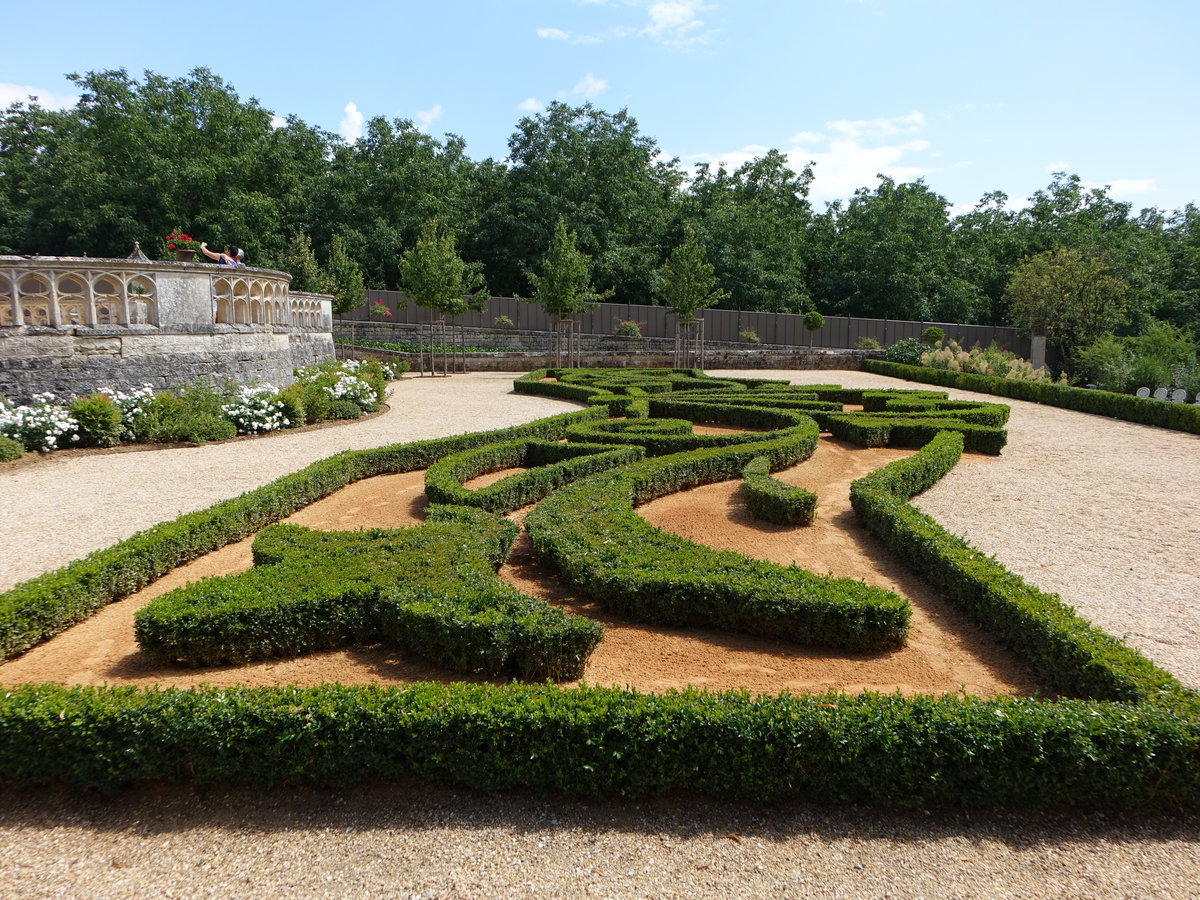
x=945 y=652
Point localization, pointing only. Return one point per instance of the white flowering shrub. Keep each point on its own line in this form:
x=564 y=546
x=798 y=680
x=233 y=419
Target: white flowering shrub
x=133 y=406
x=359 y=381
x=41 y=425
x=256 y=409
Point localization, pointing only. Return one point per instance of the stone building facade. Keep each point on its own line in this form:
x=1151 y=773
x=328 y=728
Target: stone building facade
x=70 y=325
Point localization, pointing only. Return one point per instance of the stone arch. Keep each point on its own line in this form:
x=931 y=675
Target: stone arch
x=143 y=306
x=33 y=293
x=106 y=298
x=8 y=303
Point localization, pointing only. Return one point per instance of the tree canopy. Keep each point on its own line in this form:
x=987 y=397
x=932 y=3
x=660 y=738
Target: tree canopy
x=136 y=157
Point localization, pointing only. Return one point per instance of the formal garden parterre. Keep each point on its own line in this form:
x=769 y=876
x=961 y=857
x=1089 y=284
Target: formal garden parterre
x=1118 y=730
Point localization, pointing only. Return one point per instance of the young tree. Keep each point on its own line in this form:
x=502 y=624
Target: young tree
x=1069 y=296
x=299 y=261
x=686 y=281
x=563 y=288
x=435 y=276
x=346 y=278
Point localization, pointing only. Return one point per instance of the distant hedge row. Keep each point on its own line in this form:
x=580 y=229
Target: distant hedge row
x=1144 y=410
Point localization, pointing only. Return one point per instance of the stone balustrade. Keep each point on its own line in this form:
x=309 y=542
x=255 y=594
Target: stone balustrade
x=69 y=325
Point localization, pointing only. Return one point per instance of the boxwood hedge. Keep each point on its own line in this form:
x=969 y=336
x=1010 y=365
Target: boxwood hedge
x=771 y=500
x=1130 y=736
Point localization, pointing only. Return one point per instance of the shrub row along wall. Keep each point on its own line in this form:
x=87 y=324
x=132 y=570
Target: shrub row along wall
x=593 y=742
x=1143 y=410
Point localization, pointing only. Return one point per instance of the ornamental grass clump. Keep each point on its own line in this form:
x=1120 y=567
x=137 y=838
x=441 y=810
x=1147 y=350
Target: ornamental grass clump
x=994 y=361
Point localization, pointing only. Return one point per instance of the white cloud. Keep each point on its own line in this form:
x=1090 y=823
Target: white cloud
x=1124 y=188
x=849 y=153
x=854 y=129
x=553 y=34
x=278 y=121
x=590 y=86
x=351 y=125
x=676 y=22
x=1060 y=165
x=427 y=117
x=14 y=93
x=531 y=104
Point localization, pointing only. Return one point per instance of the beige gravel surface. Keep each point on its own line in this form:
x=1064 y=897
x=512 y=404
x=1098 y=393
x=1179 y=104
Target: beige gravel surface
x=1105 y=512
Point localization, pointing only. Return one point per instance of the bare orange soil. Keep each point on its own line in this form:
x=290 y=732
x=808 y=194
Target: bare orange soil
x=945 y=652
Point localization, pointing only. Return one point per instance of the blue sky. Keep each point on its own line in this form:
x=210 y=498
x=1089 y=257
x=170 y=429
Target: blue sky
x=971 y=95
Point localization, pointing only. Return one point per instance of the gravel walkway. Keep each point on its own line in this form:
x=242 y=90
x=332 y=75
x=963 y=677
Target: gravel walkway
x=1105 y=512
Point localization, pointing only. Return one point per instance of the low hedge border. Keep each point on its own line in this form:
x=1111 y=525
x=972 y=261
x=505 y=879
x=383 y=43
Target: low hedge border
x=550 y=465
x=1143 y=410
x=591 y=533
x=430 y=590
x=1070 y=654
x=885 y=430
x=605 y=742
x=43 y=606
x=771 y=500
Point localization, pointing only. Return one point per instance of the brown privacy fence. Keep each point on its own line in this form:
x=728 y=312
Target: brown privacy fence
x=785 y=329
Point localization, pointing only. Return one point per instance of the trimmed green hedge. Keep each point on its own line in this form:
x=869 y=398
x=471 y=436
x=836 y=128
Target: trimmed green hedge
x=1144 y=410
x=592 y=534
x=771 y=500
x=952 y=750
x=44 y=606
x=1070 y=654
x=551 y=465
x=605 y=742
x=431 y=590
x=886 y=430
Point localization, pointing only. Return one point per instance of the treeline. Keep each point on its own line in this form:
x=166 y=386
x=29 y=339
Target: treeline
x=134 y=159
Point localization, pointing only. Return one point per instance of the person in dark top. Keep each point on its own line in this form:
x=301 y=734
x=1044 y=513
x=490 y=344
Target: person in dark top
x=231 y=257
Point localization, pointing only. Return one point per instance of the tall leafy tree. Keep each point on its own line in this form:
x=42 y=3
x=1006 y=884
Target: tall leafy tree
x=346 y=278
x=895 y=258
x=603 y=177
x=1069 y=296
x=753 y=223
x=563 y=287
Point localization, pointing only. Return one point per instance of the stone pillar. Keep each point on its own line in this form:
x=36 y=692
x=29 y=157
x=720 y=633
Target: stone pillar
x=1037 y=350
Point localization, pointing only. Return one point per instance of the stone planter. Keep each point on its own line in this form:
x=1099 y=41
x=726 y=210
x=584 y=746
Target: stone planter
x=185 y=255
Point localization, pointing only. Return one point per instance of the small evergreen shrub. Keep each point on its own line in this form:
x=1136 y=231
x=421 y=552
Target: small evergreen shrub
x=813 y=320
x=10 y=449
x=749 y=336
x=932 y=336
x=907 y=351
x=866 y=342
x=99 y=420
x=344 y=409
x=771 y=500
x=503 y=322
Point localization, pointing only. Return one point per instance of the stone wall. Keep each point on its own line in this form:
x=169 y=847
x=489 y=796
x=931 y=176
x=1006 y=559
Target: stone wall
x=69 y=326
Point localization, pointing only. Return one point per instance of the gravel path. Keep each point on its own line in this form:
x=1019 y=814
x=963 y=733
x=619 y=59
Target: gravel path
x=1105 y=512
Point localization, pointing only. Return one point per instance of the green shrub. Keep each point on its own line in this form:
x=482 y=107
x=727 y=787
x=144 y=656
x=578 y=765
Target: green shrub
x=868 y=343
x=771 y=500
x=932 y=336
x=99 y=420
x=503 y=322
x=1163 y=413
x=813 y=320
x=907 y=351
x=316 y=401
x=431 y=590
x=10 y=449
x=344 y=409
x=292 y=398
x=589 y=530
x=628 y=329
x=551 y=465
x=749 y=336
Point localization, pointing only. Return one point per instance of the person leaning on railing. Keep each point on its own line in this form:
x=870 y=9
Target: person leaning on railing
x=231 y=257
